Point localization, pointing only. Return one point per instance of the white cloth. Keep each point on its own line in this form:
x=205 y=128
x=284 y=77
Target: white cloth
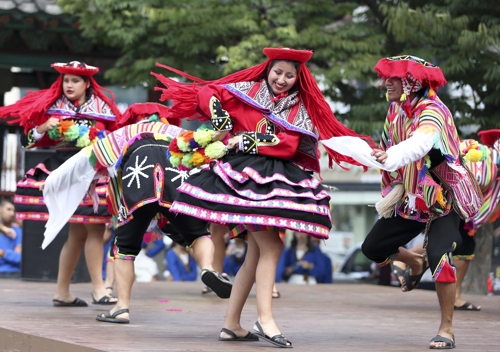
x=145 y=268
x=64 y=189
x=298 y=279
x=404 y=153
x=37 y=135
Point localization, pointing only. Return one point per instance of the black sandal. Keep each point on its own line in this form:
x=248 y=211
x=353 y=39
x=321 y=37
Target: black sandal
x=112 y=318
x=247 y=337
x=449 y=343
x=277 y=340
x=218 y=283
x=76 y=303
x=409 y=279
x=104 y=300
x=398 y=272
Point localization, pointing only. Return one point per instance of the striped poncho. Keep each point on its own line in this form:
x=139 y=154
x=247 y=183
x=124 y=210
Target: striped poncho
x=423 y=197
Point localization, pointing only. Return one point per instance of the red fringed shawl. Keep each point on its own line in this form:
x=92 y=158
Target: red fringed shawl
x=30 y=111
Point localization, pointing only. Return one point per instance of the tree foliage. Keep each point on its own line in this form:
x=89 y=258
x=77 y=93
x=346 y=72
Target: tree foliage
x=210 y=38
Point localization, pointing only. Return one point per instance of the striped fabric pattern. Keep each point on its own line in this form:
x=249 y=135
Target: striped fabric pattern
x=422 y=192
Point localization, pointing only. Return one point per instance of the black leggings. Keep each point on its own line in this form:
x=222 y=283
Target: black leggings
x=128 y=238
x=387 y=235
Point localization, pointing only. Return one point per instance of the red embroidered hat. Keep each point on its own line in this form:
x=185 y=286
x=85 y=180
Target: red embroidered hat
x=75 y=68
x=424 y=72
x=288 y=54
x=489 y=137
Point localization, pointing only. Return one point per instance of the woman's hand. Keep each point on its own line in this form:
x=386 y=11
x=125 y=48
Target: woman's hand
x=48 y=125
x=380 y=155
x=306 y=265
x=219 y=136
x=234 y=143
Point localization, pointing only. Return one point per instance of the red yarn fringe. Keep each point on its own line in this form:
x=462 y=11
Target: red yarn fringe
x=183 y=96
x=30 y=111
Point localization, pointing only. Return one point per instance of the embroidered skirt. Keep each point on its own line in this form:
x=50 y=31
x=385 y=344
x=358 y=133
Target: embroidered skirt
x=29 y=201
x=257 y=193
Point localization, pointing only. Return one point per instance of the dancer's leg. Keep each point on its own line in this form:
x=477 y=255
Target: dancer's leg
x=94 y=252
x=68 y=259
x=242 y=285
x=270 y=247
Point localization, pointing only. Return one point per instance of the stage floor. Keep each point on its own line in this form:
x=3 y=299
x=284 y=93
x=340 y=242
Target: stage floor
x=167 y=316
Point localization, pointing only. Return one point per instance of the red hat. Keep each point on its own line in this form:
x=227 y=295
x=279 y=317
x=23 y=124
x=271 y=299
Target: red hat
x=75 y=68
x=301 y=56
x=400 y=66
x=489 y=137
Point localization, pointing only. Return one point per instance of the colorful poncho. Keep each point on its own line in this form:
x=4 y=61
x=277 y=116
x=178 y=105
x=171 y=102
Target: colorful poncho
x=423 y=195
x=482 y=161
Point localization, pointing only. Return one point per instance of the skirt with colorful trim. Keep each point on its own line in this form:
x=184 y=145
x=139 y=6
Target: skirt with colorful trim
x=29 y=201
x=257 y=193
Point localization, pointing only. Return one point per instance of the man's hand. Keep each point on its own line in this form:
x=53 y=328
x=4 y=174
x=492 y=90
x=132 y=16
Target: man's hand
x=380 y=155
x=7 y=231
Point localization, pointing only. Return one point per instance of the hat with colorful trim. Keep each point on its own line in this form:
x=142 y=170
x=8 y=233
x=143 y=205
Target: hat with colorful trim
x=75 y=68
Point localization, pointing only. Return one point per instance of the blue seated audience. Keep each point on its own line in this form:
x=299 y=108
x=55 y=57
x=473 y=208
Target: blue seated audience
x=180 y=264
x=303 y=262
x=235 y=256
x=10 y=241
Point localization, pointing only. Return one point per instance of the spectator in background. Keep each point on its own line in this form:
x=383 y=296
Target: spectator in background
x=145 y=268
x=326 y=275
x=181 y=264
x=303 y=261
x=235 y=256
x=10 y=241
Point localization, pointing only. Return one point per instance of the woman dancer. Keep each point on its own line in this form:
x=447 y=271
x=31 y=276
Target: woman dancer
x=68 y=116
x=264 y=183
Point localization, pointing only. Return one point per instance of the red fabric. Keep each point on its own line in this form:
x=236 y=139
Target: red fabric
x=489 y=137
x=288 y=54
x=183 y=96
x=288 y=141
x=447 y=274
x=135 y=111
x=430 y=76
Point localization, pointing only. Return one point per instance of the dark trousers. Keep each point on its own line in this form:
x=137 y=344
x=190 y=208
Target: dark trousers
x=129 y=236
x=387 y=235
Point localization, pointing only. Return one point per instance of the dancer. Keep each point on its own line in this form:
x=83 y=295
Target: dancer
x=142 y=184
x=483 y=163
x=425 y=186
x=69 y=115
x=264 y=183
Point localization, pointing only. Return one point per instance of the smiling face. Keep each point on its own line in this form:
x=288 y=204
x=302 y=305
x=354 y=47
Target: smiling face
x=282 y=76
x=74 y=88
x=394 y=88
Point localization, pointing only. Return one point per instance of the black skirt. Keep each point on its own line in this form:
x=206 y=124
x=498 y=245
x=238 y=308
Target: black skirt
x=29 y=201
x=257 y=193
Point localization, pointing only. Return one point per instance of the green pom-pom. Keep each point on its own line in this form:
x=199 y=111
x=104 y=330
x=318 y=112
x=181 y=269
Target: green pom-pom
x=72 y=133
x=175 y=161
x=186 y=160
x=54 y=134
x=215 y=150
x=154 y=118
x=183 y=146
x=83 y=141
x=203 y=137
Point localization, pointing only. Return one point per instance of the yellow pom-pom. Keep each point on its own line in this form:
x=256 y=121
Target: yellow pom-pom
x=215 y=150
x=197 y=159
x=164 y=120
x=386 y=96
x=440 y=199
x=203 y=137
x=403 y=97
x=431 y=93
x=474 y=155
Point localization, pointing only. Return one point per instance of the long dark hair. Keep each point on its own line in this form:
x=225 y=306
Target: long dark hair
x=309 y=245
